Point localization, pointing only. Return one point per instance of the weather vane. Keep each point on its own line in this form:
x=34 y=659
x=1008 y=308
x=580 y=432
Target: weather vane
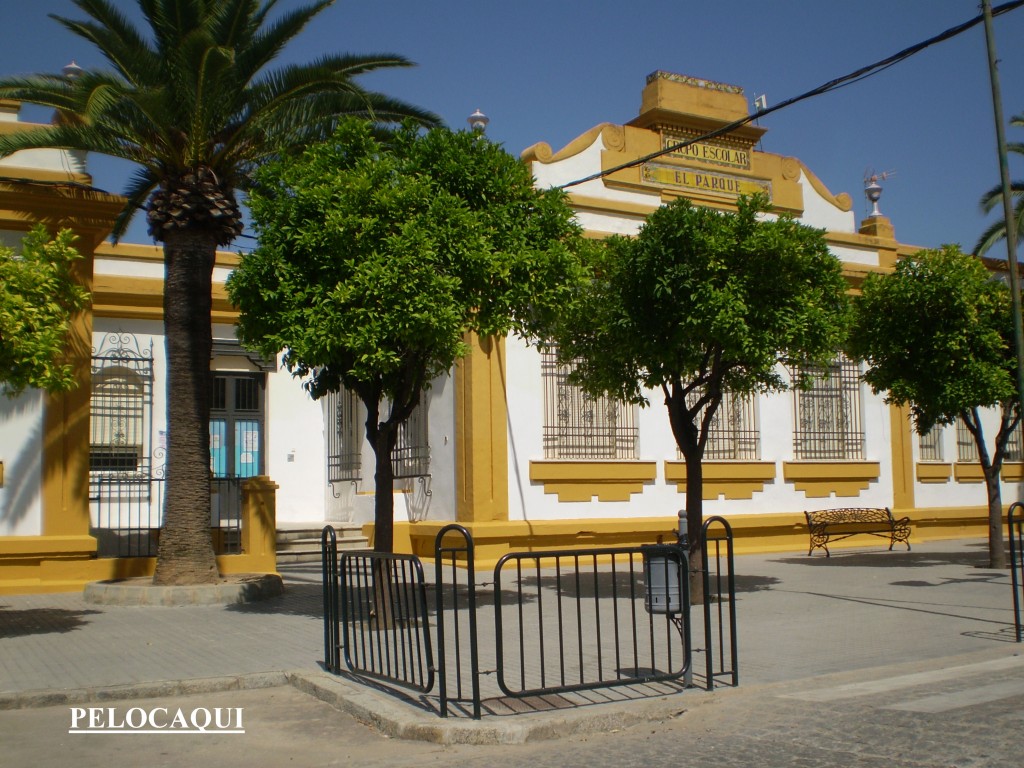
x=873 y=190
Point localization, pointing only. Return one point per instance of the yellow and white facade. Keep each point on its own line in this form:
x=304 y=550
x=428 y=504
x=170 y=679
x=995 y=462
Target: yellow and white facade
x=486 y=451
x=513 y=494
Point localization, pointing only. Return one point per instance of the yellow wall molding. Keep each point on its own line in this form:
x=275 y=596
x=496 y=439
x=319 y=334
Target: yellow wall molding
x=1012 y=472
x=541 y=152
x=731 y=479
x=842 y=201
x=155 y=253
x=614 y=207
x=965 y=472
x=933 y=472
x=142 y=298
x=583 y=480
x=821 y=479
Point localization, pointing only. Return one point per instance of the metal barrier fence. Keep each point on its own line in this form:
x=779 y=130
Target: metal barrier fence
x=719 y=602
x=564 y=621
x=332 y=603
x=384 y=631
x=456 y=630
x=575 y=625
x=1015 y=529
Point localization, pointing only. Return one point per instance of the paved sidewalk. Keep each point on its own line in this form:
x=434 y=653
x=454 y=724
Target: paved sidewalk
x=799 y=618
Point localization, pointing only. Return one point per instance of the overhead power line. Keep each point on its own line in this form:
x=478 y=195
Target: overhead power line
x=831 y=85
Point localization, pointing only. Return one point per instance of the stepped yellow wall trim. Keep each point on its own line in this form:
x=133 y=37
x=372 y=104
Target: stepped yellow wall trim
x=1012 y=472
x=584 y=480
x=933 y=472
x=481 y=432
x=821 y=479
x=968 y=473
x=731 y=479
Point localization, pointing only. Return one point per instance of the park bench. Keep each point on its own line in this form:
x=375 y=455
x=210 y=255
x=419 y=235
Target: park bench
x=834 y=524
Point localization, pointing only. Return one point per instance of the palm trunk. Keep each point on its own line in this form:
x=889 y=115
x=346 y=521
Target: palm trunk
x=186 y=553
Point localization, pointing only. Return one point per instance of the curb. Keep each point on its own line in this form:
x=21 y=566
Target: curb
x=142 y=592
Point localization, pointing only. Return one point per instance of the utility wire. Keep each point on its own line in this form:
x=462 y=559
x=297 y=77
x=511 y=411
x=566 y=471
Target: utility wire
x=831 y=85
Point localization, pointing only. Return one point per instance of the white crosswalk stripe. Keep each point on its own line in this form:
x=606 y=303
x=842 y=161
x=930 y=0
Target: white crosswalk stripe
x=899 y=682
x=968 y=697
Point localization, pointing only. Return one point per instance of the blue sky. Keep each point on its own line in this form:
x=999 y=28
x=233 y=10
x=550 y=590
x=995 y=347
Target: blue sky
x=548 y=71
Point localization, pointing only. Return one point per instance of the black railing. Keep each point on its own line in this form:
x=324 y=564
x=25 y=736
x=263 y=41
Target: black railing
x=458 y=625
x=331 y=593
x=1015 y=526
x=564 y=621
x=127 y=510
x=384 y=630
x=719 y=603
x=577 y=621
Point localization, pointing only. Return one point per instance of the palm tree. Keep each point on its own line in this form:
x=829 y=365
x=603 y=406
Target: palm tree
x=994 y=197
x=191 y=101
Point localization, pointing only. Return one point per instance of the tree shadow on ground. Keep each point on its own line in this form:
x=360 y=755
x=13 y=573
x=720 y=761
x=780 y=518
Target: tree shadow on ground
x=40 y=621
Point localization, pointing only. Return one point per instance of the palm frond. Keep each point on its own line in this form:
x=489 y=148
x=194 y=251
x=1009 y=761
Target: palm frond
x=116 y=38
x=138 y=190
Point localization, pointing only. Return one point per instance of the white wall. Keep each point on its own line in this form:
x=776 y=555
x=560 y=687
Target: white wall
x=21 y=451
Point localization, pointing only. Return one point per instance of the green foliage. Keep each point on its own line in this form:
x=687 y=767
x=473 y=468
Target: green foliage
x=192 y=88
x=705 y=300
x=38 y=297
x=937 y=335
x=375 y=260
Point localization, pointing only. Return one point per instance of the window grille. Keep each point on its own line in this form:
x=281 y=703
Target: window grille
x=120 y=406
x=1014 y=447
x=828 y=421
x=930 y=444
x=577 y=426
x=347 y=416
x=966 y=448
x=411 y=455
x=734 y=434
x=345 y=431
x=125 y=488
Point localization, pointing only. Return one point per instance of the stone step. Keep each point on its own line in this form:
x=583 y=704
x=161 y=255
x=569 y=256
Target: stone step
x=302 y=544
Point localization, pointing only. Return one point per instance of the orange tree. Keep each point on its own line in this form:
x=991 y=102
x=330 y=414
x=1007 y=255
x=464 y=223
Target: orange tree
x=937 y=335
x=703 y=302
x=375 y=260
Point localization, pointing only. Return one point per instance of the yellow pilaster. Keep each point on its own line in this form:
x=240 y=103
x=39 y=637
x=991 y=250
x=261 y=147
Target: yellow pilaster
x=481 y=430
x=902 y=458
x=90 y=214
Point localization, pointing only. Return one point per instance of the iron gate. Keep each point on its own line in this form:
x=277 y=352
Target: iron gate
x=125 y=488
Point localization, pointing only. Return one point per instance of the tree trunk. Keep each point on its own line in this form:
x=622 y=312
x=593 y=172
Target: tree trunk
x=694 y=525
x=687 y=437
x=186 y=555
x=383 y=523
x=383 y=483
x=996 y=545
